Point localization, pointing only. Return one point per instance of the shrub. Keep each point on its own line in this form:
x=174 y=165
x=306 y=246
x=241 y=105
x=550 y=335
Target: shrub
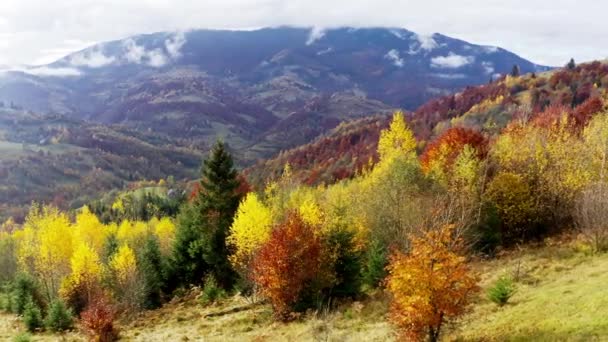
x=429 y=286
x=32 y=316
x=59 y=317
x=501 y=291
x=23 y=337
x=98 y=320
x=286 y=264
x=212 y=292
x=25 y=290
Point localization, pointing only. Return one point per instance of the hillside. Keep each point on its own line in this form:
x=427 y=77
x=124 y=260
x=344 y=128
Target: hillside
x=291 y=85
x=54 y=159
x=565 y=282
x=488 y=108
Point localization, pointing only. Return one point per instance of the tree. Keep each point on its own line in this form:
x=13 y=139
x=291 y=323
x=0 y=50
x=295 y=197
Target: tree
x=571 y=64
x=591 y=215
x=398 y=139
x=430 y=286
x=515 y=72
x=152 y=271
x=203 y=228
x=251 y=228
x=286 y=264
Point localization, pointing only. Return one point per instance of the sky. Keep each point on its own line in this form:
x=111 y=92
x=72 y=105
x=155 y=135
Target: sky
x=549 y=32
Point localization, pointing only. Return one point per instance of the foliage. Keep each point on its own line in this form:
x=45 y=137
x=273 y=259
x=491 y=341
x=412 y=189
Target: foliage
x=59 y=317
x=24 y=290
x=200 y=244
x=211 y=291
x=374 y=268
x=591 y=215
x=398 y=139
x=286 y=264
x=98 y=320
x=32 y=317
x=344 y=261
x=251 y=228
x=502 y=290
x=430 y=286
x=153 y=272
x=23 y=337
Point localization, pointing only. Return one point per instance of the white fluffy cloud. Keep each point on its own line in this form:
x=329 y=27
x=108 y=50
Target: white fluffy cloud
x=31 y=29
x=394 y=56
x=451 y=61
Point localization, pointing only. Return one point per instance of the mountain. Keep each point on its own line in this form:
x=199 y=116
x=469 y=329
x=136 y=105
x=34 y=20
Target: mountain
x=54 y=159
x=489 y=108
x=263 y=91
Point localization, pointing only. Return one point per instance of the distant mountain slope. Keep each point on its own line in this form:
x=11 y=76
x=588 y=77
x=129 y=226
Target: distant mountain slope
x=489 y=108
x=68 y=162
x=264 y=90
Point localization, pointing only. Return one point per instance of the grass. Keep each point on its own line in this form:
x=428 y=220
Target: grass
x=561 y=295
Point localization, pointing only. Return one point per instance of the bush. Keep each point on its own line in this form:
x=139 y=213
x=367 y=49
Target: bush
x=287 y=264
x=23 y=337
x=59 y=317
x=32 y=317
x=98 y=320
x=212 y=292
x=25 y=290
x=502 y=291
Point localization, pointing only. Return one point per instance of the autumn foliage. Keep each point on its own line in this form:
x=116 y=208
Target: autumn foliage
x=287 y=263
x=98 y=320
x=443 y=151
x=430 y=286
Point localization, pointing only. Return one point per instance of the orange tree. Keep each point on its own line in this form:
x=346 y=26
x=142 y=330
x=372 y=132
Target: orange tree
x=287 y=264
x=429 y=286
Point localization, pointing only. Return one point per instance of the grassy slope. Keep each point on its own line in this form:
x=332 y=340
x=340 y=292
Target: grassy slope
x=561 y=296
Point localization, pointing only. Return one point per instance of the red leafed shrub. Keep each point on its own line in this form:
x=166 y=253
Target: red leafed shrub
x=98 y=320
x=286 y=264
x=550 y=116
x=450 y=144
x=584 y=111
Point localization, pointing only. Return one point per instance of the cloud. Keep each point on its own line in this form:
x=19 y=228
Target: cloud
x=138 y=54
x=488 y=67
x=92 y=58
x=32 y=26
x=491 y=49
x=451 y=61
x=393 y=55
x=315 y=34
x=450 y=76
x=175 y=44
x=426 y=42
x=44 y=71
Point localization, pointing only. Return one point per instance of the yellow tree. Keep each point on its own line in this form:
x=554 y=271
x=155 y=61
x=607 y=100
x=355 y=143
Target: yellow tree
x=45 y=246
x=250 y=229
x=80 y=287
x=398 y=139
x=165 y=231
x=90 y=230
x=429 y=286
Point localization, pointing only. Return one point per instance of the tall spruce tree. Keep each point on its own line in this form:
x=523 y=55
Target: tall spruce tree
x=152 y=271
x=203 y=225
x=571 y=64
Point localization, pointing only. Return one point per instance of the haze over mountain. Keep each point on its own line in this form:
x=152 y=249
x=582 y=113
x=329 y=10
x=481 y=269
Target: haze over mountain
x=262 y=90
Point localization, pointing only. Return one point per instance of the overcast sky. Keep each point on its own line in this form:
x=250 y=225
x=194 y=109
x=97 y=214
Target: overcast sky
x=544 y=31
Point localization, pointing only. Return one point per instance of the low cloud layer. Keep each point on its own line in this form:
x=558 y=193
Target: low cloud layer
x=546 y=32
